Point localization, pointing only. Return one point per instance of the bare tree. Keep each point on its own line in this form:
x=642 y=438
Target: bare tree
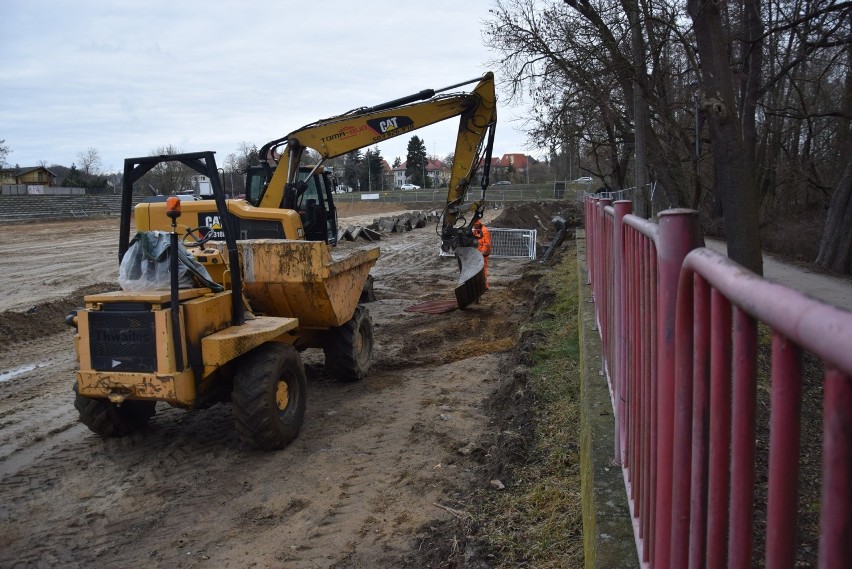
x=246 y=155
x=90 y=162
x=835 y=250
x=168 y=177
x=4 y=152
x=589 y=83
x=743 y=104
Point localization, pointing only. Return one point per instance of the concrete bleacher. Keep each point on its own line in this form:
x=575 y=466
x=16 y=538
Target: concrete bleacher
x=23 y=208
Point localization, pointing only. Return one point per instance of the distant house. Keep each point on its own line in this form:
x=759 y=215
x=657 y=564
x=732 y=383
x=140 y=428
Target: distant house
x=399 y=175
x=437 y=172
x=495 y=172
x=518 y=162
x=33 y=175
x=509 y=166
x=387 y=175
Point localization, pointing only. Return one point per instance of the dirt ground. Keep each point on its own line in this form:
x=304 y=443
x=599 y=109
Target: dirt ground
x=373 y=468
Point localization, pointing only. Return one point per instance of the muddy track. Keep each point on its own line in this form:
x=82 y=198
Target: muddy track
x=374 y=462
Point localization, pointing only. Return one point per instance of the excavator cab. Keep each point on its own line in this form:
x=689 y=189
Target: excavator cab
x=313 y=202
x=255 y=182
x=315 y=205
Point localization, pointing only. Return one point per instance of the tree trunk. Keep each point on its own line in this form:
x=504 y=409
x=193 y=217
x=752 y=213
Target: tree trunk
x=835 y=249
x=644 y=208
x=751 y=84
x=733 y=171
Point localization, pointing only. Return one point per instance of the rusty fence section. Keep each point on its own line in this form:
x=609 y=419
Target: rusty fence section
x=679 y=330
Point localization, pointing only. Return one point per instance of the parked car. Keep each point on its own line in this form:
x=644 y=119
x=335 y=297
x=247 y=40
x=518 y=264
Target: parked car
x=585 y=179
x=503 y=183
x=409 y=187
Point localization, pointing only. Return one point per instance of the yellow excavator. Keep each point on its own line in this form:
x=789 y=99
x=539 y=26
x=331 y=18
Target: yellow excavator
x=219 y=296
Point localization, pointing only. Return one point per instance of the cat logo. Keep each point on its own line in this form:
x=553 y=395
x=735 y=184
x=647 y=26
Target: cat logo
x=388 y=125
x=212 y=221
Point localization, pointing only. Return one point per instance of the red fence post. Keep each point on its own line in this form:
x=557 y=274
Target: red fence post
x=784 y=444
x=682 y=431
x=649 y=427
x=679 y=233
x=835 y=544
x=603 y=291
x=622 y=208
x=590 y=238
x=743 y=443
x=598 y=275
x=700 y=378
x=720 y=432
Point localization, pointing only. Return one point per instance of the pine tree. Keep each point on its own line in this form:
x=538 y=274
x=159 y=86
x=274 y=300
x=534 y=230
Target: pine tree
x=352 y=169
x=415 y=165
x=372 y=174
x=74 y=178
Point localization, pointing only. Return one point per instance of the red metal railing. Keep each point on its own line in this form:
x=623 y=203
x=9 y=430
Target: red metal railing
x=678 y=325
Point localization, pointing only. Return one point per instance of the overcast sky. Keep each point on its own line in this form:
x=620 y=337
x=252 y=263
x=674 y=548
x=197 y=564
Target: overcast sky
x=127 y=77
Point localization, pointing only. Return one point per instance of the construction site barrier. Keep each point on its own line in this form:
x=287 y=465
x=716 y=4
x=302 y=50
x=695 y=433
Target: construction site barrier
x=513 y=243
x=679 y=333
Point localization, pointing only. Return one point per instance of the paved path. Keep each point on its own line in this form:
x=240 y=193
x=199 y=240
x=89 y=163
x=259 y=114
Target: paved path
x=830 y=289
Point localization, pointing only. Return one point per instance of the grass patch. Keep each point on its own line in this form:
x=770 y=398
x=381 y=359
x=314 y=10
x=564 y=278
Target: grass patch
x=536 y=520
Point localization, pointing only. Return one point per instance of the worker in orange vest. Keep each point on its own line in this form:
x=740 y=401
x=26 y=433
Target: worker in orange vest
x=483 y=245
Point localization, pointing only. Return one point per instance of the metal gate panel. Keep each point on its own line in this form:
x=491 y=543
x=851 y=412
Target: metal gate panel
x=513 y=243
x=509 y=244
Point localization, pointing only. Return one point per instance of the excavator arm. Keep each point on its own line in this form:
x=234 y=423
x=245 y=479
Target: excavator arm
x=366 y=126
x=289 y=201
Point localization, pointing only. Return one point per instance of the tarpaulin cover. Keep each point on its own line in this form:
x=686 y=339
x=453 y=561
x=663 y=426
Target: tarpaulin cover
x=434 y=306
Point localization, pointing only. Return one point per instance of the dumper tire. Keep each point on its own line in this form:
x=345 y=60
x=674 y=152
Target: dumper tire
x=108 y=419
x=269 y=396
x=349 y=348
x=368 y=294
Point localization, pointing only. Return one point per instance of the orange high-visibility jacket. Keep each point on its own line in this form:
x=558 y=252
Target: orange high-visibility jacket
x=484 y=237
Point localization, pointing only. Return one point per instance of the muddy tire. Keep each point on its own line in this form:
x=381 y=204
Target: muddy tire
x=110 y=420
x=349 y=348
x=268 y=400
x=367 y=292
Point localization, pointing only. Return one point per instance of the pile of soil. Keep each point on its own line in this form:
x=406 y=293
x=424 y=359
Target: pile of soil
x=539 y=216
x=46 y=318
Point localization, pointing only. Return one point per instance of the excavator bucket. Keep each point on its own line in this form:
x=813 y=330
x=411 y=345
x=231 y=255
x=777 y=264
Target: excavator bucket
x=471 y=283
